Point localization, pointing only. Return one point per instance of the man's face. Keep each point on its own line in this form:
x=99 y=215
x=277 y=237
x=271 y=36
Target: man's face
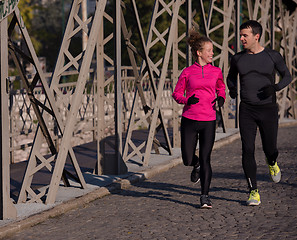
x=248 y=39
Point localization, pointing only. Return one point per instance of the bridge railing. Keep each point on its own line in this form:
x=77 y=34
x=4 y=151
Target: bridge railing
x=23 y=121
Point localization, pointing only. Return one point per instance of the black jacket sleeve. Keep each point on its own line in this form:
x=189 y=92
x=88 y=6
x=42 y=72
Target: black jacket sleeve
x=232 y=75
x=281 y=68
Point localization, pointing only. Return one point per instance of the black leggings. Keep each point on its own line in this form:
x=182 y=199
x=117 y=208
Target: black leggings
x=266 y=118
x=189 y=138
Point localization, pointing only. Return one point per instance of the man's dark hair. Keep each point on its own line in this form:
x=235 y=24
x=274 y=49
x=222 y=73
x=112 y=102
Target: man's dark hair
x=254 y=25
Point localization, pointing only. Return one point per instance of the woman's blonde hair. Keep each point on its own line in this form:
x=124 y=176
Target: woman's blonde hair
x=196 y=42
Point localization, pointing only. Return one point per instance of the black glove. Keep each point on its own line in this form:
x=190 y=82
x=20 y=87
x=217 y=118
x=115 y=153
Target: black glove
x=233 y=93
x=192 y=100
x=221 y=101
x=267 y=91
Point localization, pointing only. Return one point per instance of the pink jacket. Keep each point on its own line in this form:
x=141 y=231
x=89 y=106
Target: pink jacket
x=205 y=82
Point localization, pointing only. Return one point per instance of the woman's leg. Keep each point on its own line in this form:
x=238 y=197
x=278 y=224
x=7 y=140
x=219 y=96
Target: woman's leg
x=189 y=138
x=206 y=141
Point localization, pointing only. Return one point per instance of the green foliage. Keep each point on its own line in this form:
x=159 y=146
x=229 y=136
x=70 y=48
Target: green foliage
x=16 y=84
x=43 y=22
x=28 y=8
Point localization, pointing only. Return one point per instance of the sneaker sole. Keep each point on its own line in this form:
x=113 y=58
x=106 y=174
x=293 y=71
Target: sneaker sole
x=196 y=181
x=205 y=206
x=254 y=204
x=198 y=178
x=276 y=178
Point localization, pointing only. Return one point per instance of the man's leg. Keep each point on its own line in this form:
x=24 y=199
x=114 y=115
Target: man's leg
x=268 y=129
x=248 y=131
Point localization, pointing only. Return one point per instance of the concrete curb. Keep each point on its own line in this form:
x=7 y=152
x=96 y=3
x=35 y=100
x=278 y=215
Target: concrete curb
x=288 y=124
x=125 y=183
x=64 y=207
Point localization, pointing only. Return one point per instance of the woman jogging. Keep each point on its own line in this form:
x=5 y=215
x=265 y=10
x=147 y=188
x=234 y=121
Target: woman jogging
x=198 y=88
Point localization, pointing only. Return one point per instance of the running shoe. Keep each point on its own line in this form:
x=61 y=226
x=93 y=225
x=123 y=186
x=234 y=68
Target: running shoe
x=205 y=202
x=254 y=199
x=275 y=173
x=195 y=174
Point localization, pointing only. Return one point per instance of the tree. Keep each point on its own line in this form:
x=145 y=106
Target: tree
x=43 y=21
x=27 y=9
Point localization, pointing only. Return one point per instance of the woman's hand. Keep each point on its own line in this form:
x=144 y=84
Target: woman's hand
x=220 y=100
x=192 y=100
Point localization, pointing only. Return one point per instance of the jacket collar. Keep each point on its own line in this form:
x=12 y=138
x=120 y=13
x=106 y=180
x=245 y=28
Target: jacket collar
x=207 y=65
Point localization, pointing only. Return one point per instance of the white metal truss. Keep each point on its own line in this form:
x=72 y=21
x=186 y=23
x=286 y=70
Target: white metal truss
x=64 y=62
x=111 y=109
x=105 y=90
x=292 y=62
x=288 y=26
x=37 y=161
x=83 y=68
x=7 y=7
x=7 y=208
x=151 y=68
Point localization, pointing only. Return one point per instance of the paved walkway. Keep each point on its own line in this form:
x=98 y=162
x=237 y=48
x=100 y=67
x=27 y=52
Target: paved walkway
x=166 y=206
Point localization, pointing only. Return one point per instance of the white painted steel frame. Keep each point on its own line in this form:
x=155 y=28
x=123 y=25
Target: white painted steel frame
x=81 y=81
x=36 y=160
x=155 y=114
x=7 y=210
x=231 y=15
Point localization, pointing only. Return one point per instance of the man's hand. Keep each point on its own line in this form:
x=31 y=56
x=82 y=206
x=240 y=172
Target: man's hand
x=267 y=91
x=192 y=100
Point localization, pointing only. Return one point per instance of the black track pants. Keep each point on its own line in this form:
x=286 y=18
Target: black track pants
x=190 y=129
x=251 y=117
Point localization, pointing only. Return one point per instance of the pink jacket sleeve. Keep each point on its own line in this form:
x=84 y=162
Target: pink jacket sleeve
x=220 y=86
x=179 y=90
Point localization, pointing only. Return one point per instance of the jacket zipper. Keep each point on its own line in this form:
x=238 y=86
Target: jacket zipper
x=202 y=72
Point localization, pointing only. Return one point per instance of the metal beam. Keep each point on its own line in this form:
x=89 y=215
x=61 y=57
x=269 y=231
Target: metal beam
x=7 y=209
x=81 y=81
x=121 y=166
x=35 y=155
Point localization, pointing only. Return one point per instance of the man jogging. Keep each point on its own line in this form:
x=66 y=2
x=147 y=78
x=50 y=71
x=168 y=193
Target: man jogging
x=256 y=67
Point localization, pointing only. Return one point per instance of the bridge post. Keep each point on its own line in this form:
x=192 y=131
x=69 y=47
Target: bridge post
x=121 y=166
x=7 y=209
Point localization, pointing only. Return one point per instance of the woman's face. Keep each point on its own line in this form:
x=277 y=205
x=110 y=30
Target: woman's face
x=205 y=56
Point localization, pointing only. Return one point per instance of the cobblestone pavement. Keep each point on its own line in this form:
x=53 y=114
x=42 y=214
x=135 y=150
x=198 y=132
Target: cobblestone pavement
x=167 y=205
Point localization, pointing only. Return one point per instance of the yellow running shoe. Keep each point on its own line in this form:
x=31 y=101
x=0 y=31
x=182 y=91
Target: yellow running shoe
x=254 y=199
x=275 y=173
